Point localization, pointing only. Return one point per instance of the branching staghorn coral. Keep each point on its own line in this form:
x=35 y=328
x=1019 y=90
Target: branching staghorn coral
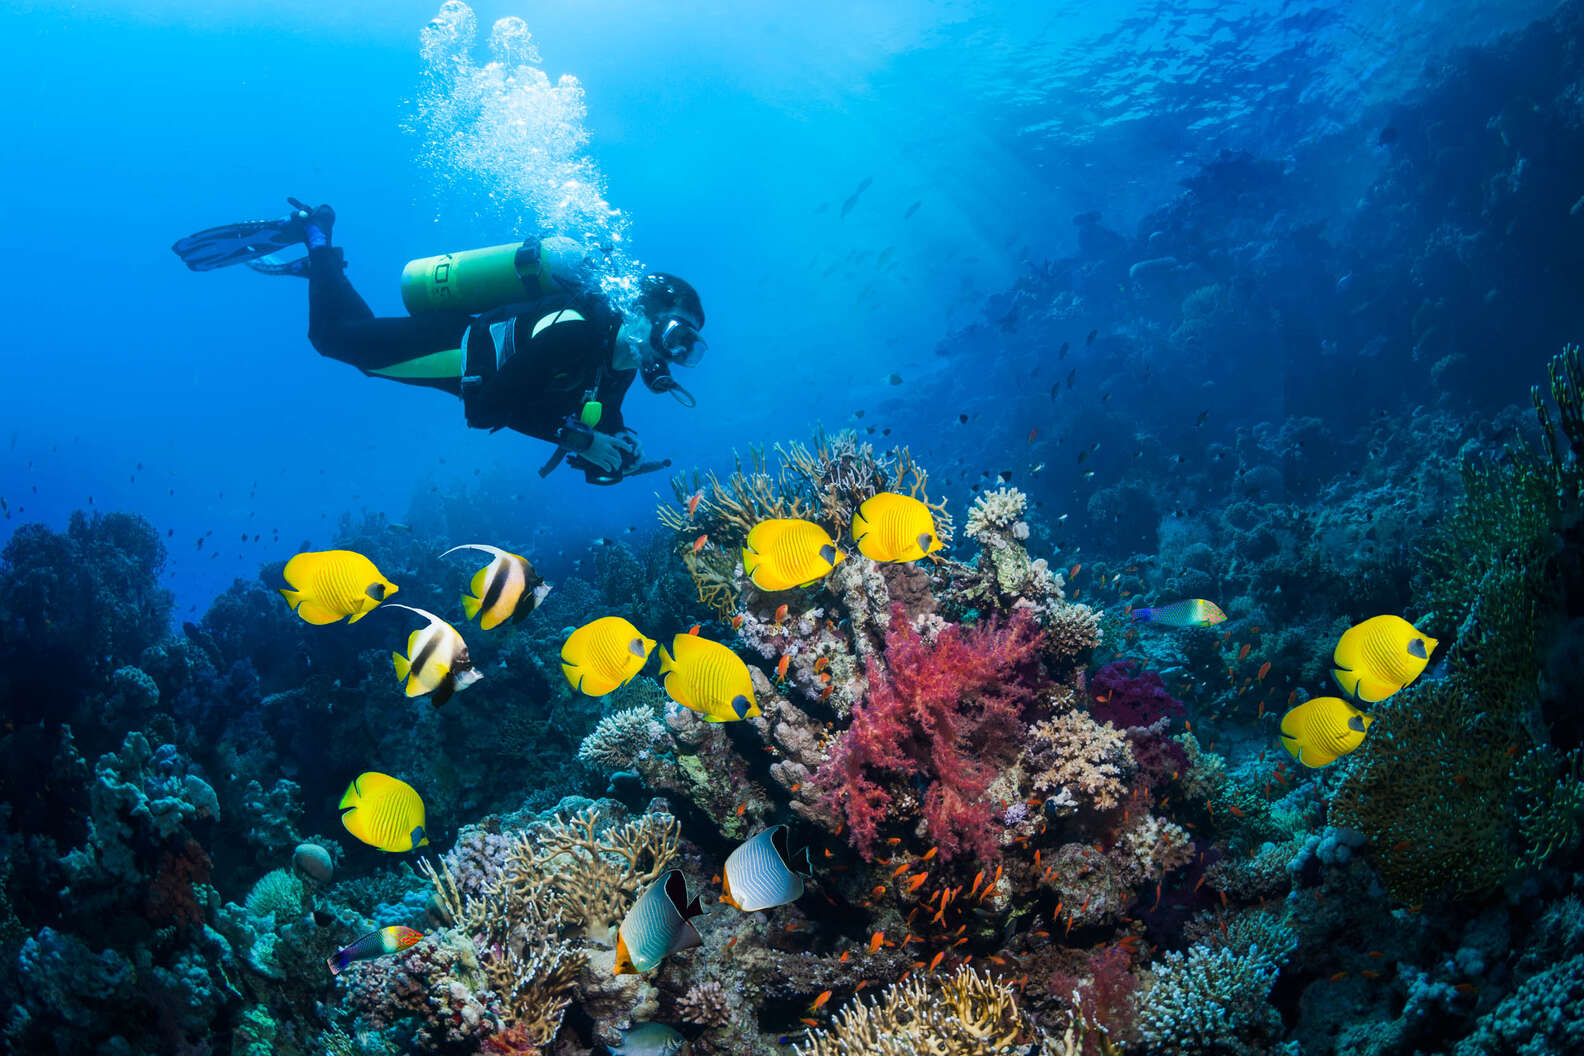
x=594 y=875
x=1210 y=1001
x=966 y=1014
x=825 y=483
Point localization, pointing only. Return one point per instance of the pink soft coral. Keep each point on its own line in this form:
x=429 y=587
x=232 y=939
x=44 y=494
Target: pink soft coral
x=946 y=715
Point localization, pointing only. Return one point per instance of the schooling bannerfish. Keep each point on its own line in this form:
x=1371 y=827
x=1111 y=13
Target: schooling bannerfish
x=708 y=678
x=657 y=925
x=892 y=527
x=1380 y=656
x=1318 y=732
x=326 y=586
x=393 y=939
x=782 y=553
x=384 y=812
x=437 y=660
x=1194 y=612
x=507 y=588
x=759 y=873
x=604 y=654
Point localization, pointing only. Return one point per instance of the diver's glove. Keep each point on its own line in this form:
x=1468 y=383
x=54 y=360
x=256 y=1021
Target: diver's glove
x=604 y=458
x=611 y=454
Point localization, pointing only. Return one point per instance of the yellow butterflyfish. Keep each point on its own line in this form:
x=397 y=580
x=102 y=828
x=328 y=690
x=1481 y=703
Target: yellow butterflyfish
x=604 y=654
x=325 y=586
x=384 y=812
x=782 y=553
x=1380 y=656
x=893 y=527
x=708 y=678
x=1320 y=731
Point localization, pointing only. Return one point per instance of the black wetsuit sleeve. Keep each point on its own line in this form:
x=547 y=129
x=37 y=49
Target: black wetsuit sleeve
x=342 y=326
x=613 y=388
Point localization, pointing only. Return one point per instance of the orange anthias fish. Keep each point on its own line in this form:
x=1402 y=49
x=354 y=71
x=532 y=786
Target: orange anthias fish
x=1243 y=652
x=781 y=666
x=737 y=621
x=694 y=630
x=781 y=613
x=700 y=543
x=935 y=960
x=1263 y=671
x=821 y=664
x=875 y=941
x=819 y=1002
x=693 y=501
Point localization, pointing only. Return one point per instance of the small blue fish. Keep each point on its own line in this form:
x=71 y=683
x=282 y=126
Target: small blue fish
x=393 y=939
x=1194 y=612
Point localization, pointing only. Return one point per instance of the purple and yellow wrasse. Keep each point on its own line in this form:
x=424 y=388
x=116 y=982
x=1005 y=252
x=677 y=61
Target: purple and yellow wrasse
x=393 y=939
x=1194 y=612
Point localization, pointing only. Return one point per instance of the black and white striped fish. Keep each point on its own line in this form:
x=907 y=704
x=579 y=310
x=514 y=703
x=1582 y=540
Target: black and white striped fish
x=437 y=660
x=507 y=588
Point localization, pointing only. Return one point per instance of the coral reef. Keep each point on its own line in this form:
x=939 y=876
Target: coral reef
x=965 y=1014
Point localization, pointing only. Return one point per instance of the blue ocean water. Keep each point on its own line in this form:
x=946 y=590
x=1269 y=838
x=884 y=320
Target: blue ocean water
x=729 y=143
x=1233 y=293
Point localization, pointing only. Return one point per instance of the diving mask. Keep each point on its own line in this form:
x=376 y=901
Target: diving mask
x=677 y=340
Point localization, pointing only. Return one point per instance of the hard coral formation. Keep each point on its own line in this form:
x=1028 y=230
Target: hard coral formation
x=1209 y=1001
x=964 y=1014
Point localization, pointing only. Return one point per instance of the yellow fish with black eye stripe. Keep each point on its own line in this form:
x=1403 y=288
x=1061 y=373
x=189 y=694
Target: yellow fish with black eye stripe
x=1376 y=658
x=892 y=527
x=781 y=553
x=437 y=660
x=1322 y=730
x=507 y=588
x=604 y=654
x=326 y=586
x=384 y=812
x=708 y=678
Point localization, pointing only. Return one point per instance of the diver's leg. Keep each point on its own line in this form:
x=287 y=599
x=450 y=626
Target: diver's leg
x=413 y=349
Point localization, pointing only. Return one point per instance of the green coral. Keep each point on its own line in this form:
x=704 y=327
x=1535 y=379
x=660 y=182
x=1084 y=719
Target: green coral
x=279 y=893
x=1549 y=803
x=1441 y=752
x=255 y=1033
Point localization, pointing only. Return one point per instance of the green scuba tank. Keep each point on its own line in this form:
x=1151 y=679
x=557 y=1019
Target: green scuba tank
x=476 y=280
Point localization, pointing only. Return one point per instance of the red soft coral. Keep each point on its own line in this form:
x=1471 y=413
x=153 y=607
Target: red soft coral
x=946 y=714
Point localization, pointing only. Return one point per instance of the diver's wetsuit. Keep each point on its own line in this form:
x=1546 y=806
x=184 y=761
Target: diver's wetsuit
x=525 y=367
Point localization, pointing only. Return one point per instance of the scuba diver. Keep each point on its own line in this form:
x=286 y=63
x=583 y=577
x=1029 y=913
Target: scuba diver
x=520 y=332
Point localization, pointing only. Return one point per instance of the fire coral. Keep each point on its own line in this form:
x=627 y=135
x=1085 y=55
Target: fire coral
x=943 y=717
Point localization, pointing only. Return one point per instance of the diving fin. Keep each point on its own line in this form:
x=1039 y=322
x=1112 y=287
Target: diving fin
x=275 y=264
x=249 y=240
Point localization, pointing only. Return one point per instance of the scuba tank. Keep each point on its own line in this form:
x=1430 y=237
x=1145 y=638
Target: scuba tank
x=476 y=280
